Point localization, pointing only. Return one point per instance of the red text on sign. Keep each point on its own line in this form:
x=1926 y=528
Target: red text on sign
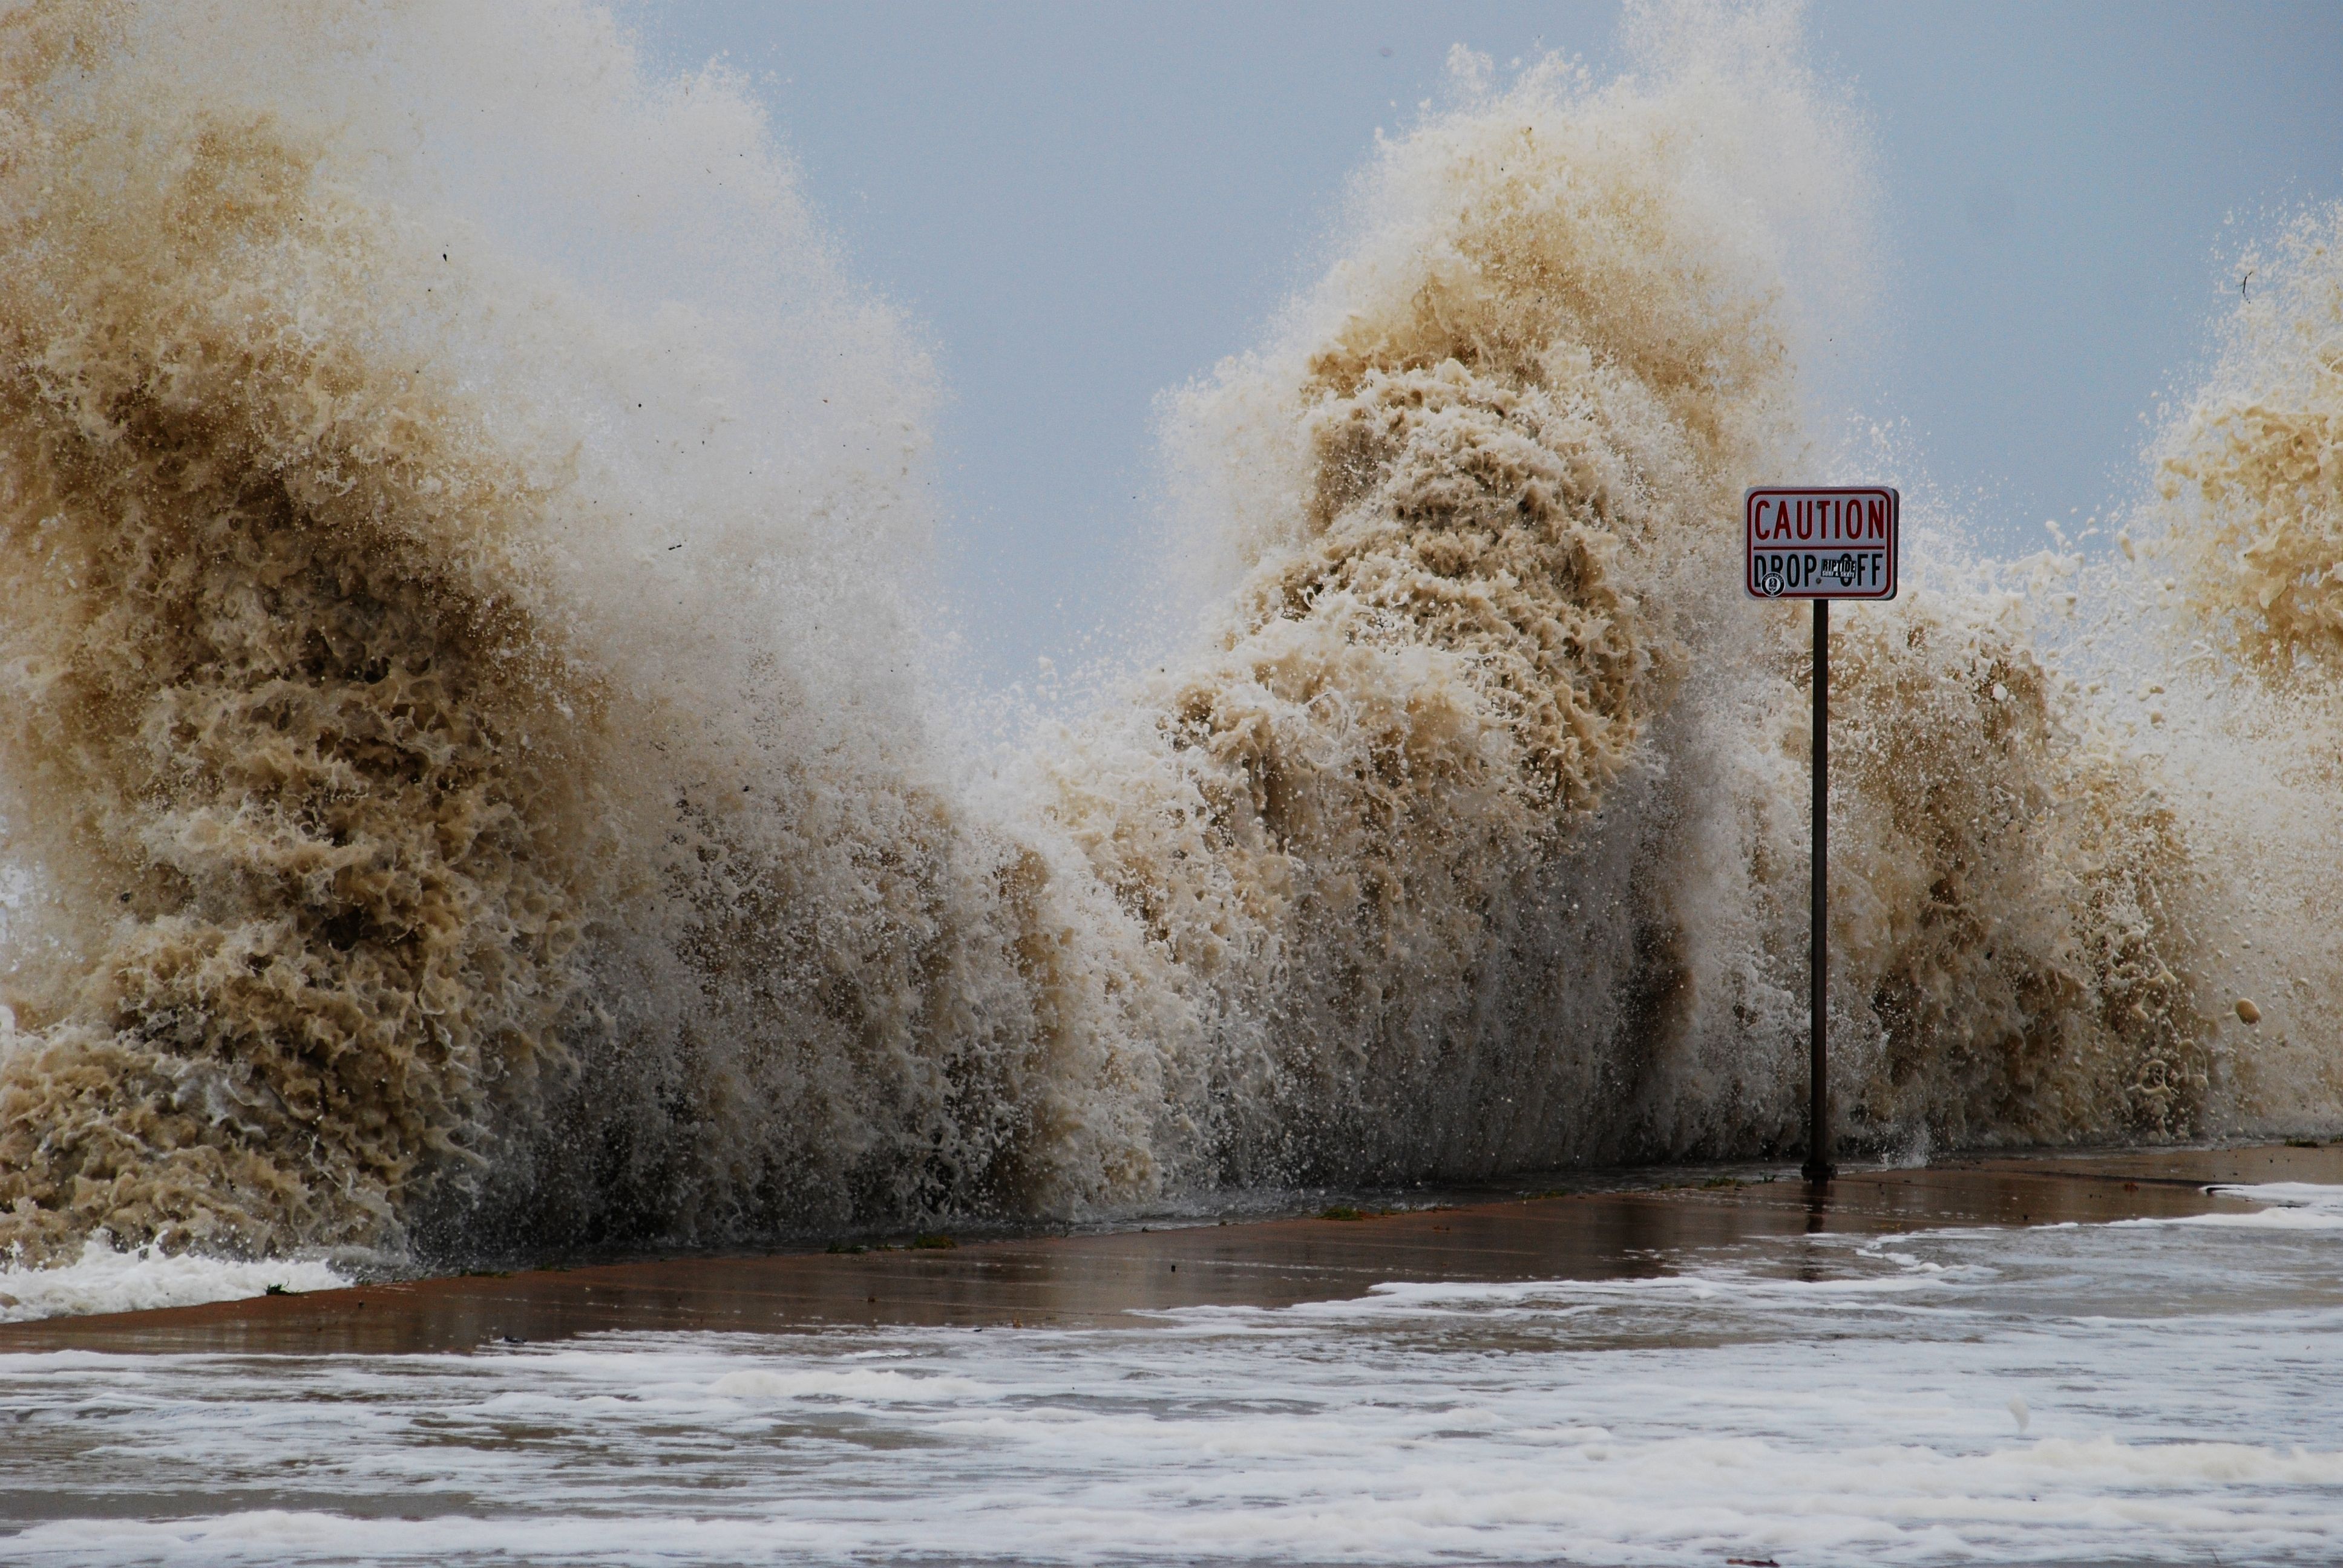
x=1818 y=519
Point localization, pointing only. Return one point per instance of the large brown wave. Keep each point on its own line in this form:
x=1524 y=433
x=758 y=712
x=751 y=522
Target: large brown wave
x=311 y=794
x=394 y=875
x=2238 y=566
x=380 y=884
x=1526 y=772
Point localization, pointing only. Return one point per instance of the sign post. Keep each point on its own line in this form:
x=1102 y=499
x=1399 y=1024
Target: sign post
x=1820 y=543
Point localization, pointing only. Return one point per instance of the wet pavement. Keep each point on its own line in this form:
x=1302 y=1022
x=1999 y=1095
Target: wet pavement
x=1625 y=1231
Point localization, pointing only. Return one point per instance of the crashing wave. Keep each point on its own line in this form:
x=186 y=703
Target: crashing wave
x=472 y=778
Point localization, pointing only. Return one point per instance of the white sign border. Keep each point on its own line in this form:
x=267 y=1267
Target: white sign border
x=1894 y=542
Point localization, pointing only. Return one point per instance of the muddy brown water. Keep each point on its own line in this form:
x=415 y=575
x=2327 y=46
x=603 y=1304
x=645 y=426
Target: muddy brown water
x=1620 y=1231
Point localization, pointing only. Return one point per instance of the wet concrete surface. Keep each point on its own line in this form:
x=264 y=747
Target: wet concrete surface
x=1638 y=1228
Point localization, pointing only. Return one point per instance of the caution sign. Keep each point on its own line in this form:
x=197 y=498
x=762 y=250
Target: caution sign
x=1820 y=543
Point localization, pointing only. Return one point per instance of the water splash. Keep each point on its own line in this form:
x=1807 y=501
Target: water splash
x=471 y=769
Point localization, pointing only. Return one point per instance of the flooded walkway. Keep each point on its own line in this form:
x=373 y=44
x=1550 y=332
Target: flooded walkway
x=1638 y=1226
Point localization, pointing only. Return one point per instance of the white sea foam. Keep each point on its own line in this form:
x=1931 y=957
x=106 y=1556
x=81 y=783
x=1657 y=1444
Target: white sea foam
x=2170 y=1381
x=2287 y=1206
x=110 y=1278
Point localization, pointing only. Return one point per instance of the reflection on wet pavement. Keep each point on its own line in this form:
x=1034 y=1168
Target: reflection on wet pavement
x=1101 y=1277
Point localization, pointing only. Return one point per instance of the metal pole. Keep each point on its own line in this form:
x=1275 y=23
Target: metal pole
x=1818 y=1167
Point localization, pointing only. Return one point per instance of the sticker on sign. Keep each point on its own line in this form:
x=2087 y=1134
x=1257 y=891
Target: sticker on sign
x=1834 y=542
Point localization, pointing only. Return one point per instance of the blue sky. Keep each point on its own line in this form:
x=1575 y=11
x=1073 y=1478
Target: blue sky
x=1078 y=205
